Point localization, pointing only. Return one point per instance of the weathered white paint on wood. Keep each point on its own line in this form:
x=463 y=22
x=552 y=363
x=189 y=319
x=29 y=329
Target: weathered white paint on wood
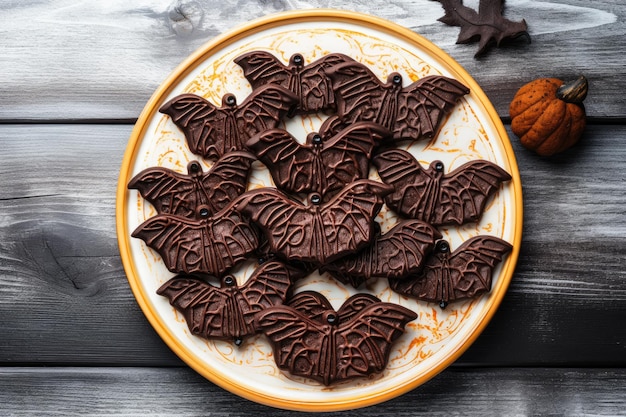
x=102 y=60
x=181 y=392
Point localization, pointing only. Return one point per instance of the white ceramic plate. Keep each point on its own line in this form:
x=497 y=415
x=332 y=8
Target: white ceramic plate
x=472 y=131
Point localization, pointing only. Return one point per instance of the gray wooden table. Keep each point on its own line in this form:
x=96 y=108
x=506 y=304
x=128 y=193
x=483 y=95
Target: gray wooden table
x=74 y=77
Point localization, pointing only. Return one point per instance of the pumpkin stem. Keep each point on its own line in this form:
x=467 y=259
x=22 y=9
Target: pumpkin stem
x=573 y=92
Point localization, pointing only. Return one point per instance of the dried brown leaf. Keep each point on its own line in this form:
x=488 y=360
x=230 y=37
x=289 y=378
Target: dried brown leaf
x=488 y=26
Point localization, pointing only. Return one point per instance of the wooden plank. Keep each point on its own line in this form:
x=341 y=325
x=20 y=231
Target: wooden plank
x=182 y=392
x=64 y=297
x=573 y=238
x=102 y=60
x=63 y=285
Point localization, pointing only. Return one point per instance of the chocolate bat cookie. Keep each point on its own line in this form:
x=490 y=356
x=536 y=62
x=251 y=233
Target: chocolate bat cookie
x=214 y=131
x=434 y=197
x=312 y=340
x=412 y=112
x=308 y=82
x=205 y=245
x=318 y=232
x=449 y=276
x=171 y=192
x=227 y=312
x=320 y=166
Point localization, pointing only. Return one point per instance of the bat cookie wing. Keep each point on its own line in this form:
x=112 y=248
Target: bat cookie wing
x=298 y=342
x=168 y=191
x=201 y=303
x=261 y=68
x=227 y=179
x=364 y=342
x=465 y=191
x=199 y=120
x=423 y=105
x=263 y=109
x=358 y=93
x=290 y=163
x=312 y=304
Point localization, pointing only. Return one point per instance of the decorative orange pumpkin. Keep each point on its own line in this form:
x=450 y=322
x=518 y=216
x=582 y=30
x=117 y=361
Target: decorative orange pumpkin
x=548 y=116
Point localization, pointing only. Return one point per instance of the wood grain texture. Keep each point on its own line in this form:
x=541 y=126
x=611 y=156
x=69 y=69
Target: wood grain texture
x=65 y=298
x=181 y=392
x=59 y=258
x=102 y=60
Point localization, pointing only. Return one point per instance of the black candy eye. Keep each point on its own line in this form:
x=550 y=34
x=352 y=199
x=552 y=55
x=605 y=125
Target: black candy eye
x=439 y=166
x=238 y=341
x=231 y=100
x=316 y=199
x=397 y=79
x=443 y=304
x=194 y=167
x=443 y=246
x=298 y=59
x=331 y=318
x=203 y=212
x=229 y=281
x=317 y=139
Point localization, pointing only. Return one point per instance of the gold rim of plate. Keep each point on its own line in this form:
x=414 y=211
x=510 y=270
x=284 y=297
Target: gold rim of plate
x=214 y=46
